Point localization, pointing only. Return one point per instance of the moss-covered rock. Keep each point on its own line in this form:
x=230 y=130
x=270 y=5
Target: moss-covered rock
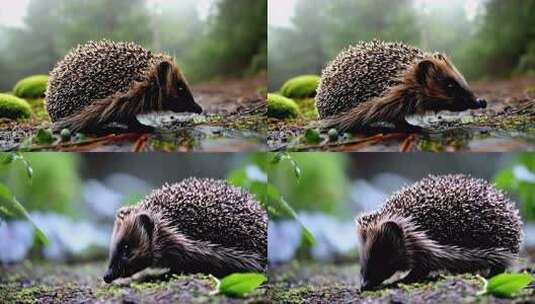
x=281 y=107
x=31 y=87
x=301 y=87
x=13 y=107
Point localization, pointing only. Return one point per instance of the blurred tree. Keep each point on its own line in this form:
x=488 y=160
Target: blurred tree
x=176 y=26
x=236 y=35
x=505 y=36
x=35 y=45
x=118 y=20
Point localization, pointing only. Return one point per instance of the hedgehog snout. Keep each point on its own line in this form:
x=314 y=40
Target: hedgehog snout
x=109 y=276
x=482 y=103
x=197 y=108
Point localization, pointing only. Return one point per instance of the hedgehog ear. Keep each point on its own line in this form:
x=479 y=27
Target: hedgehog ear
x=425 y=67
x=393 y=232
x=145 y=221
x=165 y=71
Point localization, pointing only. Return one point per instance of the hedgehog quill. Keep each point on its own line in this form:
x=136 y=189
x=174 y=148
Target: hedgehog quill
x=195 y=226
x=104 y=82
x=453 y=222
x=382 y=82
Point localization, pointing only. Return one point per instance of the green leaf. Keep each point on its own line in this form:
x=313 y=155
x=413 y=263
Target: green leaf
x=506 y=285
x=240 y=284
x=9 y=203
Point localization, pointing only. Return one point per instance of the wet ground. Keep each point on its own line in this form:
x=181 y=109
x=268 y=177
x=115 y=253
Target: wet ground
x=82 y=283
x=339 y=283
x=508 y=124
x=234 y=120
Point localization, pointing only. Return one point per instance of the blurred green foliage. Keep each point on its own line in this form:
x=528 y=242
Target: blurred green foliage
x=491 y=40
x=254 y=176
x=13 y=107
x=55 y=185
x=504 y=42
x=522 y=188
x=10 y=208
x=230 y=41
x=31 y=87
x=323 y=185
x=301 y=86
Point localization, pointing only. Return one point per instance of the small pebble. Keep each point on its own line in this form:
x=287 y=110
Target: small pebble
x=65 y=135
x=79 y=137
x=333 y=135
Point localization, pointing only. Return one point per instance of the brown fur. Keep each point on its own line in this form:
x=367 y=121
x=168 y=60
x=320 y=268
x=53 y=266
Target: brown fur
x=397 y=240
x=155 y=242
x=157 y=92
x=418 y=91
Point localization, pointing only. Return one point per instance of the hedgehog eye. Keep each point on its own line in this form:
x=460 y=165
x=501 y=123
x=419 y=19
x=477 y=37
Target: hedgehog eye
x=126 y=249
x=451 y=84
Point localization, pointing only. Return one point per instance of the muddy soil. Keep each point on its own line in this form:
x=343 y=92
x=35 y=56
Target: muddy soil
x=82 y=283
x=507 y=124
x=233 y=120
x=330 y=283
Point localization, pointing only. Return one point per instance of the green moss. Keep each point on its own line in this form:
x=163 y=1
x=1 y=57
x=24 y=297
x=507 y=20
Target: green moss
x=308 y=108
x=23 y=295
x=109 y=291
x=292 y=295
x=31 y=87
x=140 y=287
x=301 y=87
x=13 y=107
x=281 y=107
x=38 y=109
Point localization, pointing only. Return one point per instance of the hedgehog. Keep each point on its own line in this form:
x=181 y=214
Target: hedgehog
x=107 y=82
x=452 y=223
x=382 y=82
x=199 y=225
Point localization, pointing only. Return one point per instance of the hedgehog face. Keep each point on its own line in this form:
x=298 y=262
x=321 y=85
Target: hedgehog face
x=130 y=249
x=442 y=87
x=177 y=96
x=382 y=254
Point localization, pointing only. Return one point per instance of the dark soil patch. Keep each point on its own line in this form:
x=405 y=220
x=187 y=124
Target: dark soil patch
x=82 y=283
x=234 y=120
x=508 y=124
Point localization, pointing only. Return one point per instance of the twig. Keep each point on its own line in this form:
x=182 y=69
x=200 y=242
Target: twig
x=140 y=143
x=352 y=143
x=408 y=143
x=94 y=141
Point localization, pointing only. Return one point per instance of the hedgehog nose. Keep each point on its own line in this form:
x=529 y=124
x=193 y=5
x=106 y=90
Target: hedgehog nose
x=482 y=103
x=198 y=109
x=108 y=277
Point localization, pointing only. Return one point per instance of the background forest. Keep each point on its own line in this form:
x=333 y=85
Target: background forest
x=227 y=39
x=485 y=38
